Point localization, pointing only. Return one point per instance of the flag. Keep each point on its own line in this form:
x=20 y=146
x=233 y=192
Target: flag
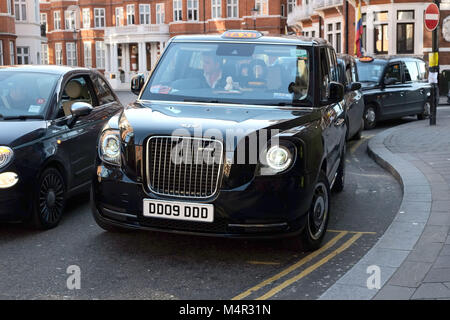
x=359 y=32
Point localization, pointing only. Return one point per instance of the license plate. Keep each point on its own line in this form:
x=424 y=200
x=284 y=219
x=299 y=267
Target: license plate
x=178 y=210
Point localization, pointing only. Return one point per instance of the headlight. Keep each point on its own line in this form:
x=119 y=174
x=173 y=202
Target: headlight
x=6 y=155
x=109 y=147
x=278 y=158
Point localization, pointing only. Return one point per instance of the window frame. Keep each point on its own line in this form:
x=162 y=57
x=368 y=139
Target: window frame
x=131 y=12
x=71 y=54
x=1 y=53
x=20 y=10
x=232 y=5
x=86 y=16
x=23 y=56
x=99 y=18
x=144 y=14
x=57 y=20
x=100 y=58
x=69 y=20
x=177 y=10
x=12 y=56
x=44 y=55
x=59 y=60
x=192 y=10
x=160 y=13
x=263 y=7
x=87 y=54
x=216 y=9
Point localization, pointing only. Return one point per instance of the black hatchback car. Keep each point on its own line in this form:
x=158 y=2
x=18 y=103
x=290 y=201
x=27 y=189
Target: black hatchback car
x=393 y=87
x=50 y=118
x=239 y=135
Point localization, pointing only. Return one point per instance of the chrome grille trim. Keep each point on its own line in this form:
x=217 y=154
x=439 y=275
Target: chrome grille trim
x=198 y=182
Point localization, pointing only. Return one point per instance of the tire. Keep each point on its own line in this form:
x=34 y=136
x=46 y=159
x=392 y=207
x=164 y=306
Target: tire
x=370 y=117
x=339 y=182
x=49 y=200
x=426 y=111
x=318 y=215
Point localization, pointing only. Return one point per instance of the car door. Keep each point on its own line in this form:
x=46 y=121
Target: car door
x=333 y=114
x=393 y=92
x=413 y=103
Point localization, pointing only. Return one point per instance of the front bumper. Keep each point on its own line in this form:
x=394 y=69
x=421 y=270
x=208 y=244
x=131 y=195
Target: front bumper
x=265 y=207
x=15 y=202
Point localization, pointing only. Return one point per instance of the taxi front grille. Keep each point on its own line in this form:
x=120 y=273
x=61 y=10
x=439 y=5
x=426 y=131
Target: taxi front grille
x=183 y=166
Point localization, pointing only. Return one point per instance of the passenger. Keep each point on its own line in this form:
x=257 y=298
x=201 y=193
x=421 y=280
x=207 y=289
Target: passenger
x=212 y=71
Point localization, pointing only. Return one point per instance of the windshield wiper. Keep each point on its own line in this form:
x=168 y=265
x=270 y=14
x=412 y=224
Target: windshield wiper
x=200 y=100
x=23 y=117
x=293 y=103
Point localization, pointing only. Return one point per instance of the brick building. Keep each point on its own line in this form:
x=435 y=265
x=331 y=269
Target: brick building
x=390 y=26
x=124 y=37
x=7 y=33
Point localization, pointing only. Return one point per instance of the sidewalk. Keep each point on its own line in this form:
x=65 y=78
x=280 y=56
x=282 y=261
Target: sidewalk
x=414 y=253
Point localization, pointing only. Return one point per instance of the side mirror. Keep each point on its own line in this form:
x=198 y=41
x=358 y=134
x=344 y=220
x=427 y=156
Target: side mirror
x=336 y=92
x=137 y=83
x=79 y=109
x=355 y=86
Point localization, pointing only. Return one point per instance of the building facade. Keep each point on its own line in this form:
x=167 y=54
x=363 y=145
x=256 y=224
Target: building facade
x=7 y=33
x=390 y=26
x=125 y=37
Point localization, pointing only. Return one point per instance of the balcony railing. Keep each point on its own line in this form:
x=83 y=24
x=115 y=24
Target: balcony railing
x=299 y=13
x=318 y=4
x=139 y=29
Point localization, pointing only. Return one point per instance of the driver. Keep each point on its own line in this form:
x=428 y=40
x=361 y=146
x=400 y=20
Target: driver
x=17 y=97
x=212 y=71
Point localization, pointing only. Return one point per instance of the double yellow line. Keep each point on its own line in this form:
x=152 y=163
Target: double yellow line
x=300 y=263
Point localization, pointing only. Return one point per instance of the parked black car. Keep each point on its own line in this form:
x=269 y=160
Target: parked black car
x=230 y=137
x=393 y=87
x=354 y=101
x=50 y=118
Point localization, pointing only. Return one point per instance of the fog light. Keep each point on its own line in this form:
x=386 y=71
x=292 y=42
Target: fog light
x=8 y=179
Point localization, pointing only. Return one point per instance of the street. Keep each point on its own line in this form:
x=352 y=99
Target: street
x=143 y=265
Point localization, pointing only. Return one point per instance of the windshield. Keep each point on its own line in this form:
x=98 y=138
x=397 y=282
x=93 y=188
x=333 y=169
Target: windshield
x=370 y=71
x=25 y=94
x=231 y=72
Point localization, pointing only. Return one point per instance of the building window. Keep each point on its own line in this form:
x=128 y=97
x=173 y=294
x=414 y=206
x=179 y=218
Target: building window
x=334 y=36
x=8 y=7
x=69 y=19
x=99 y=17
x=100 y=54
x=291 y=5
x=232 y=8
x=216 y=7
x=313 y=34
x=57 y=20
x=44 y=21
x=23 y=55
x=20 y=8
x=1 y=52
x=12 y=59
x=58 y=54
x=177 y=10
x=86 y=18
x=160 y=13
x=87 y=54
x=405 y=31
x=192 y=10
x=262 y=6
x=381 y=38
x=44 y=56
x=130 y=14
x=71 y=54
x=144 y=14
x=119 y=16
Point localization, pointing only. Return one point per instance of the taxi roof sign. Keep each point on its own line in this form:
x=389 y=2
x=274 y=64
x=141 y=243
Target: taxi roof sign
x=366 y=59
x=239 y=34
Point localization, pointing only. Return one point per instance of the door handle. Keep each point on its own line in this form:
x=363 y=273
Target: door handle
x=402 y=94
x=422 y=91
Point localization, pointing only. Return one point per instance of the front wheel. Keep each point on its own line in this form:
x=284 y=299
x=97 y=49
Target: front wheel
x=49 y=200
x=318 y=214
x=370 y=117
x=426 y=111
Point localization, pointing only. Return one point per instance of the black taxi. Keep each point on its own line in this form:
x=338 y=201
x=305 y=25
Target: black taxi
x=50 y=117
x=393 y=87
x=234 y=135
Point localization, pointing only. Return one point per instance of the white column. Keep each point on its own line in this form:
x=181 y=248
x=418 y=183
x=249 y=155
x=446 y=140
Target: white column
x=142 y=58
x=107 y=58
x=161 y=47
x=153 y=51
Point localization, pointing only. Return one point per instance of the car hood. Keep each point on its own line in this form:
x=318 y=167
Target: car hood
x=16 y=133
x=175 y=118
